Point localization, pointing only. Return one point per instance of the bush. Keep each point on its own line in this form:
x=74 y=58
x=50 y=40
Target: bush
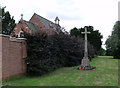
x=49 y=52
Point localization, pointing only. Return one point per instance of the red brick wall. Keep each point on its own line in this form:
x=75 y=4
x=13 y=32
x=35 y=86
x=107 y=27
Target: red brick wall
x=13 y=57
x=0 y=58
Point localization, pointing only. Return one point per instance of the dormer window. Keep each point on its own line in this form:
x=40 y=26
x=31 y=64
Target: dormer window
x=21 y=34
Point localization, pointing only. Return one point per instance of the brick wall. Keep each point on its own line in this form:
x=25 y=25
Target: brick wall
x=12 y=57
x=0 y=58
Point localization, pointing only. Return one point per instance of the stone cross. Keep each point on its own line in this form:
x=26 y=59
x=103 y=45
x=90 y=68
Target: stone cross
x=85 y=60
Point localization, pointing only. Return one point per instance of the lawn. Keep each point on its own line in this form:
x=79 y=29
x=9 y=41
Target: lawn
x=105 y=74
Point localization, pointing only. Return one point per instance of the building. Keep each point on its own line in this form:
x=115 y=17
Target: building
x=36 y=23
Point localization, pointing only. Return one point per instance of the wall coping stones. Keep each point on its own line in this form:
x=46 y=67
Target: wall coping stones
x=17 y=39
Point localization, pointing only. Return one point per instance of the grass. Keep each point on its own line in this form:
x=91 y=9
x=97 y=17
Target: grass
x=105 y=74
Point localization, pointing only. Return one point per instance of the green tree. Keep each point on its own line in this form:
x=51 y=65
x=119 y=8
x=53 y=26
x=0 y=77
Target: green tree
x=102 y=52
x=74 y=32
x=113 y=41
x=94 y=37
x=8 y=22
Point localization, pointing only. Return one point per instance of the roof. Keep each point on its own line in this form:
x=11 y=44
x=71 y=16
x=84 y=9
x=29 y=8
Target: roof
x=31 y=26
x=46 y=22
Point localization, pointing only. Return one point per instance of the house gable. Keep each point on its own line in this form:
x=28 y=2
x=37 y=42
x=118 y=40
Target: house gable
x=37 y=22
x=43 y=23
x=21 y=26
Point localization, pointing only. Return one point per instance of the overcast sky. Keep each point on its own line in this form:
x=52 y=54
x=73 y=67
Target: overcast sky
x=102 y=14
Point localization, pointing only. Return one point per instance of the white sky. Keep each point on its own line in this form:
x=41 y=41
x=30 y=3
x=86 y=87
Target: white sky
x=101 y=14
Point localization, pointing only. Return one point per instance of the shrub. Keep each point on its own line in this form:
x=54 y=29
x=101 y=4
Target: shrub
x=49 y=52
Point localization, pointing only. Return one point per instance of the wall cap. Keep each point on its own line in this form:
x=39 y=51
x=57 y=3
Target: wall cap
x=14 y=40
x=21 y=38
x=4 y=35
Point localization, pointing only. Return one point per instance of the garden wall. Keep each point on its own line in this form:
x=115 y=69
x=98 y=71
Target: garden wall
x=12 y=57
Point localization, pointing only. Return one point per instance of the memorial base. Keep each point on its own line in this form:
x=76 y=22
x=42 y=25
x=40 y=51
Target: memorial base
x=86 y=68
x=85 y=64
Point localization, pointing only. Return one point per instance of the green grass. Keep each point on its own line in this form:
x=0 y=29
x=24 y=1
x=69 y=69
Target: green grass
x=105 y=74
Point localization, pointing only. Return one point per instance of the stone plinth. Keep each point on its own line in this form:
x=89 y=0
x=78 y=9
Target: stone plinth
x=85 y=62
